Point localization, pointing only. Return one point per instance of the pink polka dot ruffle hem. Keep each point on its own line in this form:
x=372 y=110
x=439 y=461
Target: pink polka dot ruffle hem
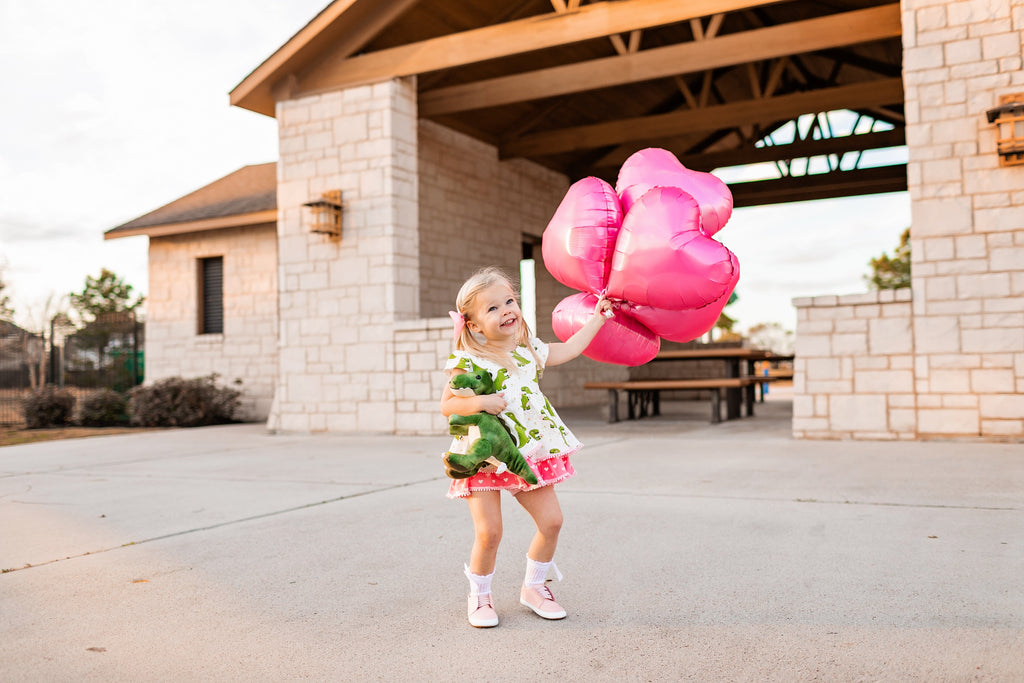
x=549 y=471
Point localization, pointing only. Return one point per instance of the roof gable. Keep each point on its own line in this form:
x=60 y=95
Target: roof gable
x=246 y=197
x=340 y=29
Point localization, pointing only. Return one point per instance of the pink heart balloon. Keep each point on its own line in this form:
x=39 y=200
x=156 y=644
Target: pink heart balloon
x=682 y=326
x=655 y=167
x=663 y=259
x=579 y=240
x=649 y=249
x=621 y=340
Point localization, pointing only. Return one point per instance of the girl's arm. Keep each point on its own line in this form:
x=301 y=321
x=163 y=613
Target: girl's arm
x=459 y=405
x=559 y=353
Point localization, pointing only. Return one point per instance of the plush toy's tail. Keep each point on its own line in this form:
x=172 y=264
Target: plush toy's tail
x=518 y=466
x=465 y=465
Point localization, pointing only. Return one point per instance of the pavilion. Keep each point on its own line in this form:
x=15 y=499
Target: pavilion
x=447 y=131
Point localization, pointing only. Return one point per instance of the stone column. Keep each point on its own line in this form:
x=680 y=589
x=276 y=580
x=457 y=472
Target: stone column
x=340 y=298
x=967 y=236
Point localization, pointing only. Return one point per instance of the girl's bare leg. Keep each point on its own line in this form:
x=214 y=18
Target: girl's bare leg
x=485 y=508
x=542 y=505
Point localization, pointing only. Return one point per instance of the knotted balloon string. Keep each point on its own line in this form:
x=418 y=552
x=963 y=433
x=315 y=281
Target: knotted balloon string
x=615 y=303
x=458 y=325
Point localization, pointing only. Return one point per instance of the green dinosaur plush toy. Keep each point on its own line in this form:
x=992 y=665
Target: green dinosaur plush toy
x=486 y=437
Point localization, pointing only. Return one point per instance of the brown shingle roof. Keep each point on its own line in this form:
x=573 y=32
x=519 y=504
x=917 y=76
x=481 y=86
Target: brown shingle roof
x=247 y=196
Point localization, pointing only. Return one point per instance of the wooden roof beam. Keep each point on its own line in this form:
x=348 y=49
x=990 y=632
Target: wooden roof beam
x=848 y=28
x=796 y=150
x=588 y=22
x=820 y=186
x=888 y=115
x=854 y=96
x=700 y=33
x=617 y=42
x=509 y=11
x=615 y=156
x=343 y=27
x=708 y=161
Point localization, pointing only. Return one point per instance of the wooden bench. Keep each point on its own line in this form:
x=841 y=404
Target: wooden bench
x=776 y=376
x=644 y=396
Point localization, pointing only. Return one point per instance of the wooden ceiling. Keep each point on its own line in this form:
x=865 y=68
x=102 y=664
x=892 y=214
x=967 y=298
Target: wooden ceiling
x=579 y=86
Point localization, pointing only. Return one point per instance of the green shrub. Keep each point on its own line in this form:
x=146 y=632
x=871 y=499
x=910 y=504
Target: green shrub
x=178 y=402
x=48 y=406
x=103 y=408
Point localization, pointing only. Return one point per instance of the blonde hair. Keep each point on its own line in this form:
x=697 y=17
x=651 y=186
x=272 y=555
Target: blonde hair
x=479 y=281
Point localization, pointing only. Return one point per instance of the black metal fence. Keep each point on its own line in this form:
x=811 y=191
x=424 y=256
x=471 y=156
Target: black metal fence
x=106 y=353
x=22 y=366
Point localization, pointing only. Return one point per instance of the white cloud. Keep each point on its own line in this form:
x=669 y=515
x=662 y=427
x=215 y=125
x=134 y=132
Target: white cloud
x=808 y=249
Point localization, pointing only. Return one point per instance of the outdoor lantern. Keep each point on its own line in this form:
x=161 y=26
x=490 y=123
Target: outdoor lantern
x=325 y=213
x=1009 y=120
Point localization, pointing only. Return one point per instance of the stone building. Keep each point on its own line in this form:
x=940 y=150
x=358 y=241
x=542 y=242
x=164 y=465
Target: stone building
x=234 y=220
x=946 y=358
x=452 y=129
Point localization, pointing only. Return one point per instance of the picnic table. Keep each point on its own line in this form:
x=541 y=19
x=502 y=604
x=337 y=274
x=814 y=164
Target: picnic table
x=735 y=386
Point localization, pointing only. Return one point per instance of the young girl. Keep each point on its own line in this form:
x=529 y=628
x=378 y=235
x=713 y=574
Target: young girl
x=491 y=335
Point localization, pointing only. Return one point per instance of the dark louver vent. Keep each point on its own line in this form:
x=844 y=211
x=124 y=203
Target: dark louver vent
x=212 y=273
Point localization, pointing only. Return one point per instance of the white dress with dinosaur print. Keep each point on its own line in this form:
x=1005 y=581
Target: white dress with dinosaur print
x=541 y=436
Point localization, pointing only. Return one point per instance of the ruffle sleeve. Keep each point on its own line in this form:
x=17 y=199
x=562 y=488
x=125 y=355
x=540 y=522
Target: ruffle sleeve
x=458 y=360
x=541 y=349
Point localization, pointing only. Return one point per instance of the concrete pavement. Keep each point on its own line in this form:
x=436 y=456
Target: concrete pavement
x=690 y=551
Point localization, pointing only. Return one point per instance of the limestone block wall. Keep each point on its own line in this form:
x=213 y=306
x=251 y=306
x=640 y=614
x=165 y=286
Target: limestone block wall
x=967 y=236
x=421 y=348
x=474 y=211
x=247 y=350
x=563 y=384
x=948 y=363
x=341 y=297
x=854 y=367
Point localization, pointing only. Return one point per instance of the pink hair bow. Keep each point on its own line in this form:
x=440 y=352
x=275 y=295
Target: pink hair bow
x=459 y=324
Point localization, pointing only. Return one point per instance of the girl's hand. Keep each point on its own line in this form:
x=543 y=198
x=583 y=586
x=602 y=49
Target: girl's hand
x=603 y=308
x=492 y=403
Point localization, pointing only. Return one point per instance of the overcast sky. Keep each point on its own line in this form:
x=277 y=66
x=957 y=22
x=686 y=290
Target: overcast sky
x=114 y=108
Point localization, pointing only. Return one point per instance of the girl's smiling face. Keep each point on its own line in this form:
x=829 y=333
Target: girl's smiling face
x=496 y=315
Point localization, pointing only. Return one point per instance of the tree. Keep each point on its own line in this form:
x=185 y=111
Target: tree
x=725 y=322
x=772 y=337
x=102 y=338
x=892 y=272
x=106 y=294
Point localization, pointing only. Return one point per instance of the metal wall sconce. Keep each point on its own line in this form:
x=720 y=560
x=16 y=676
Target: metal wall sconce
x=1009 y=120
x=325 y=213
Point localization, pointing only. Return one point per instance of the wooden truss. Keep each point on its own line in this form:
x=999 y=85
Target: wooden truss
x=579 y=86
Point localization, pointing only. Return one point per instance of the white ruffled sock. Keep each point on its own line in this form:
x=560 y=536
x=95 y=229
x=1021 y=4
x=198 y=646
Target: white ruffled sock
x=537 y=572
x=478 y=585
